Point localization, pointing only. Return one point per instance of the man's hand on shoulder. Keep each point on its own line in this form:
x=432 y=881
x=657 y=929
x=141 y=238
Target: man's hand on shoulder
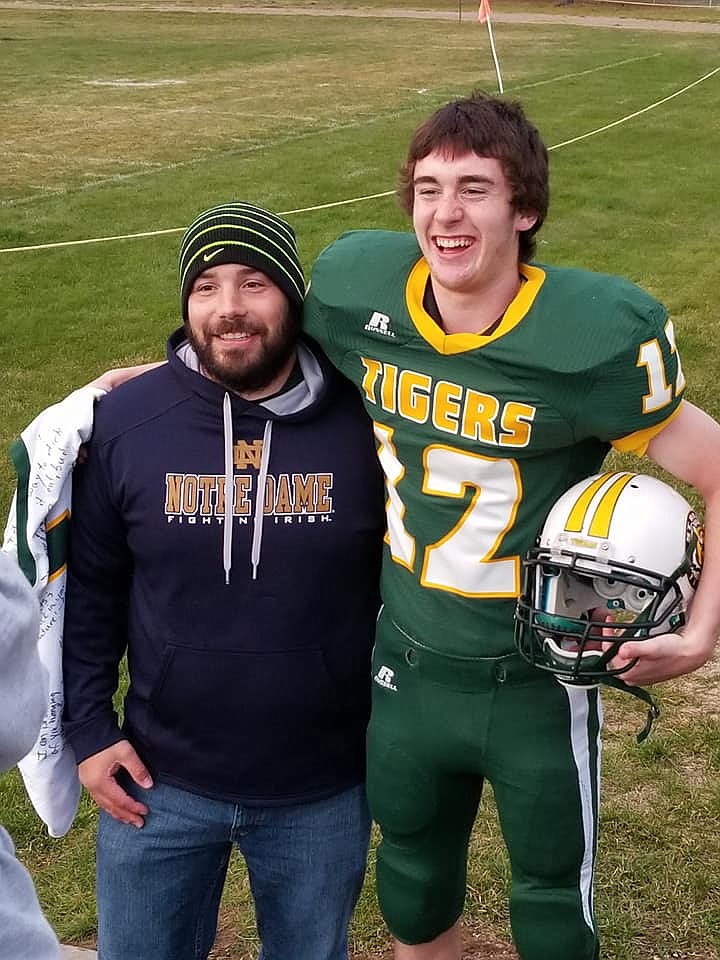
x=97 y=774
x=113 y=378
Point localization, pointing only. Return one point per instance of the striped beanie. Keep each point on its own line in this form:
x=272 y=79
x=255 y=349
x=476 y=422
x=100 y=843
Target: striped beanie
x=246 y=234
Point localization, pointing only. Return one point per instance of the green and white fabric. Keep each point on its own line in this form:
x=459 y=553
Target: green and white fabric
x=36 y=535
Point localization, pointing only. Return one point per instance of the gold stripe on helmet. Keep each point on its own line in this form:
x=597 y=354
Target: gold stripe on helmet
x=599 y=521
x=576 y=517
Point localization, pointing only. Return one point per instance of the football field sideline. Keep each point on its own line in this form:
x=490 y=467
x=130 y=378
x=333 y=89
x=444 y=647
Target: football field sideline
x=380 y=13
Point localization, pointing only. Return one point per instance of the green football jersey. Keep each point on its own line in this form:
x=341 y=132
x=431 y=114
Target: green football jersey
x=479 y=435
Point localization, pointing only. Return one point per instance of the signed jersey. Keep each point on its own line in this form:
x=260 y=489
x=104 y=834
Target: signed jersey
x=478 y=435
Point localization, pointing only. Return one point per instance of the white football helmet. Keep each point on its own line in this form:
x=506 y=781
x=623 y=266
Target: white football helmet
x=618 y=559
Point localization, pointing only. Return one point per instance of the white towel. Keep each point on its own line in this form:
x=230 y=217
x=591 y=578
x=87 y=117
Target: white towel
x=36 y=535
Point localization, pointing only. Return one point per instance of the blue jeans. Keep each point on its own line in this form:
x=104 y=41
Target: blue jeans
x=159 y=888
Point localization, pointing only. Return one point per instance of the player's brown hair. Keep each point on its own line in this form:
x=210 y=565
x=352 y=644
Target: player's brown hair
x=490 y=127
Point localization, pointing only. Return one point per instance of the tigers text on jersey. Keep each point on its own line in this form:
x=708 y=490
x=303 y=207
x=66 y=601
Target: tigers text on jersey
x=478 y=435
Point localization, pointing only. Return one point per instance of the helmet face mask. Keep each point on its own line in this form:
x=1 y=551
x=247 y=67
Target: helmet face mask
x=582 y=617
x=618 y=559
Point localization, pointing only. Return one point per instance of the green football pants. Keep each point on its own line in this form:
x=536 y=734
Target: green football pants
x=439 y=727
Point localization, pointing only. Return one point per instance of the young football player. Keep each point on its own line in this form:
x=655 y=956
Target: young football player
x=495 y=384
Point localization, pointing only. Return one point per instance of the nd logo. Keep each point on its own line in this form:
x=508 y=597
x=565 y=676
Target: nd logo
x=247 y=454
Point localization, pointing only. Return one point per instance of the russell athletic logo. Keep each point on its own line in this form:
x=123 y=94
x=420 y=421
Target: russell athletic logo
x=379 y=323
x=385 y=677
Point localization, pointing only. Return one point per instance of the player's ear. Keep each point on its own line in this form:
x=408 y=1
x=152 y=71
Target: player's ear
x=525 y=220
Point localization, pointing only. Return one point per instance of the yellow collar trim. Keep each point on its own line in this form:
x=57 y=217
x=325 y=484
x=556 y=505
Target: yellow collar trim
x=449 y=343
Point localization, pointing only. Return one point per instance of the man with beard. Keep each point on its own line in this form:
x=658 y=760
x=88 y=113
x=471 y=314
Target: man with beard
x=226 y=533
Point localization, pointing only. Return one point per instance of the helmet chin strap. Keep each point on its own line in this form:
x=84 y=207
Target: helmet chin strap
x=641 y=694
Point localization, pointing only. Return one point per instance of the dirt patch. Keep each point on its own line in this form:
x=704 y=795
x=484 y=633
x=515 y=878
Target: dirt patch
x=696 y=695
x=469 y=15
x=478 y=944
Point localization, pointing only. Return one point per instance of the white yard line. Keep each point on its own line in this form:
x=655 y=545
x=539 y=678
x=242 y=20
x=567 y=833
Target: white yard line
x=381 y=12
x=374 y=196
x=581 y=73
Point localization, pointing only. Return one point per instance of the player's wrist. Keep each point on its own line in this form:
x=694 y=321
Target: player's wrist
x=698 y=644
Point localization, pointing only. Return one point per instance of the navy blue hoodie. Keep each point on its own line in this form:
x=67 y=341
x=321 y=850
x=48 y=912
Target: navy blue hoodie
x=248 y=622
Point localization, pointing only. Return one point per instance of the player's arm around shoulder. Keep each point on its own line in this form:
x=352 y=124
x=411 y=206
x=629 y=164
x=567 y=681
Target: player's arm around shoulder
x=110 y=379
x=688 y=448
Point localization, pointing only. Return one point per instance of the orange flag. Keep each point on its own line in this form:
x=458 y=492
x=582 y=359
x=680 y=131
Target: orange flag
x=484 y=10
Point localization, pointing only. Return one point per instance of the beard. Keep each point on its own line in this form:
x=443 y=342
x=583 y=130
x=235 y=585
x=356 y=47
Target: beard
x=249 y=374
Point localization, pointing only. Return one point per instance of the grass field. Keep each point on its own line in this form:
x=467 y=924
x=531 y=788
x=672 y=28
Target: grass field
x=126 y=122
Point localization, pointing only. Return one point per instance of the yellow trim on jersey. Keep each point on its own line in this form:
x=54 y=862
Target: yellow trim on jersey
x=639 y=441
x=57 y=573
x=451 y=343
x=56 y=520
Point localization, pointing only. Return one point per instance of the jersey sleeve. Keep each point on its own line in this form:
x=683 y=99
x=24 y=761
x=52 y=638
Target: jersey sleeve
x=316 y=323
x=323 y=315
x=356 y=284
x=638 y=388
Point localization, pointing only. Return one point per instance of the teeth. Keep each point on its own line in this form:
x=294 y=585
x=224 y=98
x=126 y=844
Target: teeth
x=235 y=336
x=448 y=243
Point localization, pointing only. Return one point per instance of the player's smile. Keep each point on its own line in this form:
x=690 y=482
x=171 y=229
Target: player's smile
x=447 y=244
x=465 y=222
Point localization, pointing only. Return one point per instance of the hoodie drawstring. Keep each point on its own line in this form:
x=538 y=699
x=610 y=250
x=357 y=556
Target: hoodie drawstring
x=230 y=493
x=229 y=486
x=260 y=500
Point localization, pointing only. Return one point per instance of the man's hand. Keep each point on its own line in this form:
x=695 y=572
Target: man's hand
x=113 y=378
x=662 y=658
x=97 y=775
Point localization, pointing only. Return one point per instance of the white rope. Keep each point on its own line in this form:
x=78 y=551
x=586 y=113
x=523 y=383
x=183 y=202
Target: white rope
x=631 y=116
x=159 y=233
x=372 y=196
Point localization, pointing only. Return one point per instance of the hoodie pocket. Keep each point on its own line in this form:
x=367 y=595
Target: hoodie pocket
x=245 y=724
